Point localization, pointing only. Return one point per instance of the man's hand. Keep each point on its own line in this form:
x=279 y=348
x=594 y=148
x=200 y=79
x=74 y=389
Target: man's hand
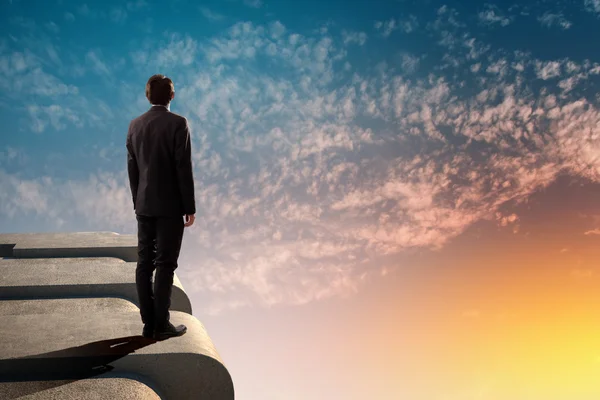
x=189 y=220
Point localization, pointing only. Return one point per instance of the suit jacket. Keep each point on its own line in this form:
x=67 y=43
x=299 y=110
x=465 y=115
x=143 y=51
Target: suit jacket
x=159 y=164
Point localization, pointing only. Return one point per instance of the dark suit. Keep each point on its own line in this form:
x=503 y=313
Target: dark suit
x=159 y=165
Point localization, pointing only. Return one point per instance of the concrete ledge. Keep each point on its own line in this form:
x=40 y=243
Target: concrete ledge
x=77 y=277
x=88 y=389
x=74 y=306
x=73 y=244
x=67 y=346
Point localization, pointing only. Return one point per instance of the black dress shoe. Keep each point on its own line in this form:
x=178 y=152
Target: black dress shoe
x=148 y=331
x=168 y=331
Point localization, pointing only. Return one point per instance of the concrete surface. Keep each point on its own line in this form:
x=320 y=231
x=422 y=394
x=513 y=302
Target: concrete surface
x=88 y=389
x=70 y=327
x=71 y=244
x=86 y=306
x=77 y=277
x=68 y=346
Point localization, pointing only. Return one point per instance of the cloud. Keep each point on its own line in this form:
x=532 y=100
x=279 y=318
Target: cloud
x=208 y=14
x=416 y=203
x=308 y=174
x=136 y=5
x=592 y=6
x=85 y=11
x=493 y=16
x=26 y=196
x=177 y=50
x=11 y=157
x=549 y=20
x=54 y=115
x=94 y=202
x=407 y=25
x=508 y=219
x=277 y=29
x=409 y=63
x=359 y=38
x=51 y=26
x=47 y=101
x=117 y=15
x=386 y=27
x=96 y=63
x=253 y=3
x=34 y=80
x=548 y=70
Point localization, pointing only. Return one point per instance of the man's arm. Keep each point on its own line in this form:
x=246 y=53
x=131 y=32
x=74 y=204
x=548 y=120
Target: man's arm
x=183 y=165
x=132 y=168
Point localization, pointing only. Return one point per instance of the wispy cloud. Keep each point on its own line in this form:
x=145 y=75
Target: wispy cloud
x=207 y=13
x=492 y=15
x=593 y=6
x=49 y=102
x=102 y=197
x=549 y=20
x=88 y=12
x=548 y=70
x=359 y=38
x=386 y=27
x=117 y=14
x=417 y=201
x=253 y=3
x=11 y=156
x=54 y=115
x=51 y=26
x=409 y=63
x=407 y=25
x=136 y=5
x=96 y=63
x=293 y=204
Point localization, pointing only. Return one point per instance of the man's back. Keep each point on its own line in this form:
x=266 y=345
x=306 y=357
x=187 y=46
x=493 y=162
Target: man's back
x=159 y=164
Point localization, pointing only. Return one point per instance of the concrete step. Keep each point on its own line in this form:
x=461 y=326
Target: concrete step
x=88 y=389
x=77 y=277
x=72 y=244
x=56 y=306
x=80 y=346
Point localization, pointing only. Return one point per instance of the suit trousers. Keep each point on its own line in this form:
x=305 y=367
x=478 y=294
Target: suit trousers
x=159 y=243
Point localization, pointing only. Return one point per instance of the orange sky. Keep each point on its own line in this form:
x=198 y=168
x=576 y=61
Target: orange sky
x=497 y=314
x=493 y=315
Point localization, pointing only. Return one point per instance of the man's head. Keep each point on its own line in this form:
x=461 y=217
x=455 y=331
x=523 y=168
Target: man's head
x=160 y=90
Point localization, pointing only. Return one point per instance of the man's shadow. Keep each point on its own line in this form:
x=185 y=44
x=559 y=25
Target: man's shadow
x=61 y=367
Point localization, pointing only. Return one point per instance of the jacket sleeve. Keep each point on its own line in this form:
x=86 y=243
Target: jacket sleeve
x=183 y=166
x=132 y=168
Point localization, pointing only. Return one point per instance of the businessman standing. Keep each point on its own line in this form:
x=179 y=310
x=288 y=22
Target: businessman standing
x=159 y=165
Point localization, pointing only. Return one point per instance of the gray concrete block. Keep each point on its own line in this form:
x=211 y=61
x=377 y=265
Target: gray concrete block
x=89 y=389
x=71 y=244
x=43 y=347
x=77 y=277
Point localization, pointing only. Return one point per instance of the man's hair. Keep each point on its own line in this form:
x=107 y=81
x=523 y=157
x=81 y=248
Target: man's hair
x=159 y=89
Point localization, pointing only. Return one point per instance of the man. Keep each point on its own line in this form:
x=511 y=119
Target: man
x=159 y=165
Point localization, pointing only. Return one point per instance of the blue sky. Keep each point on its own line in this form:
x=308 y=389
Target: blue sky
x=330 y=139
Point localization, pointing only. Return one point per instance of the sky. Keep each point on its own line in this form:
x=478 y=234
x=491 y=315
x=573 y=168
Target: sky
x=395 y=199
